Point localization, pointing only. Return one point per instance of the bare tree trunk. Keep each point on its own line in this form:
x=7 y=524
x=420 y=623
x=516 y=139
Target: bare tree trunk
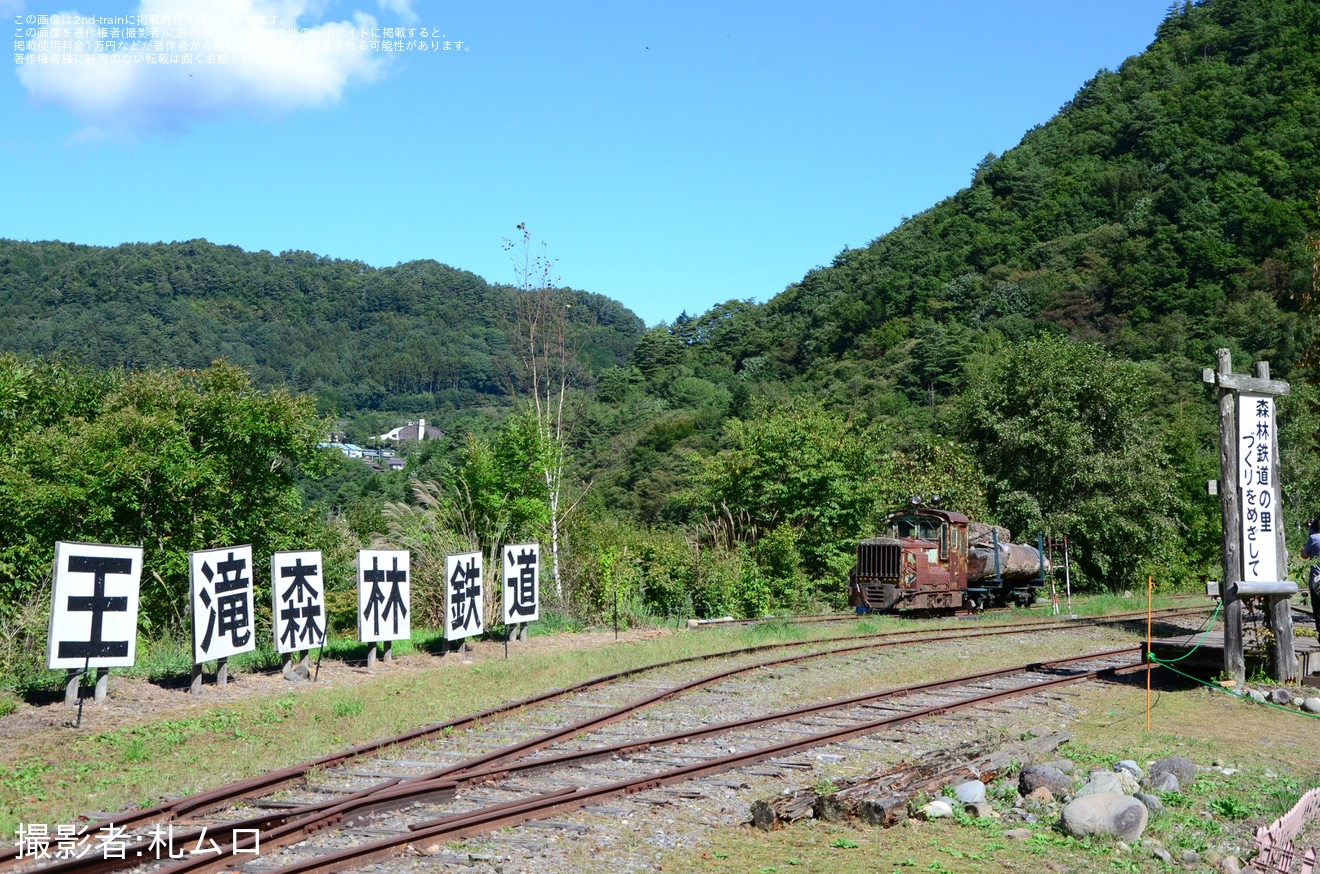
x=544 y=359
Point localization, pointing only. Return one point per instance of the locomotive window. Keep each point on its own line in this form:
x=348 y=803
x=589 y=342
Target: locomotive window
x=916 y=527
x=944 y=541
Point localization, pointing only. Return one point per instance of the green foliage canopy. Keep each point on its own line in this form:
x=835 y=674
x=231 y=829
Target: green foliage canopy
x=173 y=460
x=1063 y=433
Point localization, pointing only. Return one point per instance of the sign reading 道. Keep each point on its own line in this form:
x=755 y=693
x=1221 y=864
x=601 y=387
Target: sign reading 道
x=298 y=593
x=522 y=583
x=221 y=602
x=94 y=606
x=464 y=603
x=384 y=593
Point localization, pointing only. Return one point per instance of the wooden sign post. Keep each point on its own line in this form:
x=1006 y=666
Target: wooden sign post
x=1255 y=558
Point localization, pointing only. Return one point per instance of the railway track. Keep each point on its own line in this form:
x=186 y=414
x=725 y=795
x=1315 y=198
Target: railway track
x=808 y=619
x=427 y=781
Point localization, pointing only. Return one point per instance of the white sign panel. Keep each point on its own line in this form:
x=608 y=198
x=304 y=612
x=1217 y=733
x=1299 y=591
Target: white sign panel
x=296 y=588
x=221 y=602
x=94 y=606
x=1261 y=515
x=384 y=595
x=522 y=583
x=464 y=604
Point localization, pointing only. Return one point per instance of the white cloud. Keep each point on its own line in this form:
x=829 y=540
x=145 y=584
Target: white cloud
x=272 y=65
x=401 y=8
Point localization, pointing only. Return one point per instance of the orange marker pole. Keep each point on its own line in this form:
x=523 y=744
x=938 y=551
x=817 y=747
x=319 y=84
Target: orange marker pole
x=1150 y=597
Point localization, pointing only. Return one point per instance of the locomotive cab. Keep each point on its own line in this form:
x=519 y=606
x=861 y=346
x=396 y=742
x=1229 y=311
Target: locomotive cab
x=920 y=565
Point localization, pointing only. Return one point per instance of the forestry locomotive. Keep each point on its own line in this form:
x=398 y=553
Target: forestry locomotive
x=925 y=562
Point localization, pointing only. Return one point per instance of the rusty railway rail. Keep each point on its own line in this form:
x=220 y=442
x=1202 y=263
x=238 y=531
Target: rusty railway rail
x=443 y=783
x=472 y=823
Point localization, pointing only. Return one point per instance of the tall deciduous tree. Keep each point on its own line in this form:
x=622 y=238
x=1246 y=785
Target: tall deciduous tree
x=1062 y=432
x=541 y=345
x=798 y=466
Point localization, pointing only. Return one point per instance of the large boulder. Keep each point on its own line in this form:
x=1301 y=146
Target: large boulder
x=1034 y=777
x=1179 y=766
x=1121 y=816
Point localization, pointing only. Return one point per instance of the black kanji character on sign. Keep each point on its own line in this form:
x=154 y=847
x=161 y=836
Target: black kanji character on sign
x=522 y=588
x=298 y=592
x=231 y=602
x=98 y=604
x=378 y=605
x=465 y=590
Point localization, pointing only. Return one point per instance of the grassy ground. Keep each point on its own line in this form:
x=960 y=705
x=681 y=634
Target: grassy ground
x=55 y=774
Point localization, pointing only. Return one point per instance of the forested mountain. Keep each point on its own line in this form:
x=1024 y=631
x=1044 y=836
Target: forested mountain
x=417 y=337
x=1030 y=348
x=1162 y=213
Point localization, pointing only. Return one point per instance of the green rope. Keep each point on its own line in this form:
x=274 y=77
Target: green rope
x=1210 y=625
x=1169 y=664
x=1240 y=696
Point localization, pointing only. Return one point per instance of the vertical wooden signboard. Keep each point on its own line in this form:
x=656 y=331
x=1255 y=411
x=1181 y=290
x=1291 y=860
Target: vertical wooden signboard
x=1255 y=562
x=222 y=609
x=522 y=585
x=464 y=599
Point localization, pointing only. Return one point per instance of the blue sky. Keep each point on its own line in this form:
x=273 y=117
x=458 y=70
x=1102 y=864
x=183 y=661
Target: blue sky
x=671 y=156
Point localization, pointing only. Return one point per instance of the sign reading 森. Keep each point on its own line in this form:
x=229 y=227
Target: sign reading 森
x=298 y=592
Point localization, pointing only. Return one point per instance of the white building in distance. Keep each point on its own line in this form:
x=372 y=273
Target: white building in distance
x=418 y=430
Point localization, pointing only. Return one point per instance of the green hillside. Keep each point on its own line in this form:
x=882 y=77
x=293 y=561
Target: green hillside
x=1030 y=348
x=416 y=337
x=1161 y=214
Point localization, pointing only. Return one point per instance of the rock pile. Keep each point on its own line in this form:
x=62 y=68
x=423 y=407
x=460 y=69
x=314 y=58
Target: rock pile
x=1117 y=802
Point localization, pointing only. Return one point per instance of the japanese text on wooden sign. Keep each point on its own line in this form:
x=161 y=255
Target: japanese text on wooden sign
x=1260 y=494
x=464 y=604
x=384 y=595
x=522 y=582
x=298 y=592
